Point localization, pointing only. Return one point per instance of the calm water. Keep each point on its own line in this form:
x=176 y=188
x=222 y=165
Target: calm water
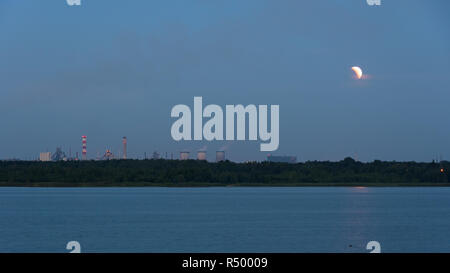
x=225 y=219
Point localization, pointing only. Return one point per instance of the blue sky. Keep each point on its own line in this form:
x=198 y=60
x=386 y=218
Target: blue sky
x=109 y=69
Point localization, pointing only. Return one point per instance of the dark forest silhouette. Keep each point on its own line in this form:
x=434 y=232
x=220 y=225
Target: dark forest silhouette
x=194 y=172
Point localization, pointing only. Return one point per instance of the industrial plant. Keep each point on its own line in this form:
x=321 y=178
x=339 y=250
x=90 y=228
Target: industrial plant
x=121 y=154
x=60 y=155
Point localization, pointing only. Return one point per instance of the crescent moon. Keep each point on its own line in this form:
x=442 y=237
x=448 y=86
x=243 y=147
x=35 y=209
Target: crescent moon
x=358 y=71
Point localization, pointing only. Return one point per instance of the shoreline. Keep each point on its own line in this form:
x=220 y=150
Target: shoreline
x=210 y=185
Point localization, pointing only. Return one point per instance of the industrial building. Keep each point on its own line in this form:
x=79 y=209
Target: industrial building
x=201 y=155
x=59 y=155
x=156 y=155
x=47 y=156
x=283 y=159
x=184 y=155
x=108 y=155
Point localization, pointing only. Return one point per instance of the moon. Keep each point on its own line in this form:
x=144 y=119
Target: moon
x=358 y=71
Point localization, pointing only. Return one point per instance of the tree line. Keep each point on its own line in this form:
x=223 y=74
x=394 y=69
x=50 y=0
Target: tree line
x=195 y=172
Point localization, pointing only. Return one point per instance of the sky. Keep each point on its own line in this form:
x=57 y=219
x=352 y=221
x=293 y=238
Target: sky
x=108 y=69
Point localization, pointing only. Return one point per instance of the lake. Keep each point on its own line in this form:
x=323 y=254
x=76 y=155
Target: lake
x=225 y=219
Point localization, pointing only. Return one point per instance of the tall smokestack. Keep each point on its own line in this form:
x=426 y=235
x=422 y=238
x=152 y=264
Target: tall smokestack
x=124 y=142
x=84 y=150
